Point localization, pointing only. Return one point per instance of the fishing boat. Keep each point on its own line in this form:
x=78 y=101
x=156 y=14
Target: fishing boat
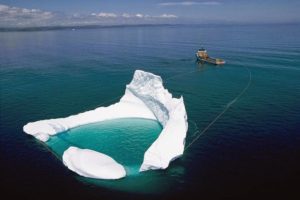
x=203 y=57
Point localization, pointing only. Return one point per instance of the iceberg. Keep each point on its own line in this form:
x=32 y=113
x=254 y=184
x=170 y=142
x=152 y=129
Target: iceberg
x=92 y=164
x=145 y=97
x=169 y=112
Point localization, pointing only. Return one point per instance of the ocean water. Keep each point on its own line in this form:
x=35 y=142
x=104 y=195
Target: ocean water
x=252 y=150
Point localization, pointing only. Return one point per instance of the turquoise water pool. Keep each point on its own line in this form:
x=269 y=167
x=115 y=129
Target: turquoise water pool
x=125 y=140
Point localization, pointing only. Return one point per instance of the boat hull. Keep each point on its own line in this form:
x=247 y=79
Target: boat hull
x=215 y=61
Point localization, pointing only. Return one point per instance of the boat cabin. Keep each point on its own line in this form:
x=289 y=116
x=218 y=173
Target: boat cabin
x=202 y=53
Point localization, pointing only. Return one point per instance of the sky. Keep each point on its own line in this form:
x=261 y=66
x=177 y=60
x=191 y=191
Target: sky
x=33 y=13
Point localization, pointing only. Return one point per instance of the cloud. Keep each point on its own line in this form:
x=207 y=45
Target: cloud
x=19 y=16
x=132 y=16
x=103 y=14
x=23 y=17
x=126 y=15
x=167 y=16
x=139 y=15
x=190 y=3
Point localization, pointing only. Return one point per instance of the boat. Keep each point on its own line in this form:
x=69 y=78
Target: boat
x=203 y=57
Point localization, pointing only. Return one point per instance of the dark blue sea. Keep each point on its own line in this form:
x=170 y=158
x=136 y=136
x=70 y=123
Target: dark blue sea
x=249 y=110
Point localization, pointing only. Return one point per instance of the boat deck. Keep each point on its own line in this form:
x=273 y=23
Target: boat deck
x=215 y=61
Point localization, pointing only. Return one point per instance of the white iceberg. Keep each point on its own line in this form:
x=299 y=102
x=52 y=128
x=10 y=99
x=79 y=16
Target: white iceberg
x=92 y=164
x=145 y=97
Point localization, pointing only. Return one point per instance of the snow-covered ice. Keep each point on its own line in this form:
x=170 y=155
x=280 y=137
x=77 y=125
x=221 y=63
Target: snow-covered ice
x=145 y=97
x=171 y=114
x=128 y=107
x=92 y=164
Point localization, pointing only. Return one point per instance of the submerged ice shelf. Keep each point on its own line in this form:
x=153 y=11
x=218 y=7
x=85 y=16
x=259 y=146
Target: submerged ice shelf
x=145 y=97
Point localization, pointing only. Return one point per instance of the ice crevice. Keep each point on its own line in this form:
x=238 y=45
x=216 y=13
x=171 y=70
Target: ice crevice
x=145 y=97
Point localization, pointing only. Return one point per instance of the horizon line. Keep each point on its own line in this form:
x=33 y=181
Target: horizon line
x=74 y=27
